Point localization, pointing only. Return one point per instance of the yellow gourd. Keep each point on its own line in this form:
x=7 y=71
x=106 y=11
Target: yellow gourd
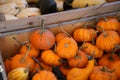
x=20 y=73
x=79 y=73
x=84 y=3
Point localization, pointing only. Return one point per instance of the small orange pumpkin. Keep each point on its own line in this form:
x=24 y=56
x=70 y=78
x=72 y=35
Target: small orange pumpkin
x=33 y=51
x=84 y=34
x=67 y=48
x=108 y=59
x=108 y=23
x=80 y=60
x=90 y=49
x=44 y=75
x=60 y=36
x=20 y=60
x=50 y=58
x=102 y=73
x=107 y=40
x=7 y=64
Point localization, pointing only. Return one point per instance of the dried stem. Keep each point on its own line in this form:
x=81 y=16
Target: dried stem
x=104 y=32
x=42 y=26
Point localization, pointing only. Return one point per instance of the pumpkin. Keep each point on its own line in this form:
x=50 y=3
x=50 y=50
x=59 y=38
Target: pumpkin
x=33 y=51
x=9 y=8
x=7 y=64
x=81 y=73
x=84 y=34
x=20 y=73
x=21 y=60
x=90 y=49
x=50 y=58
x=102 y=73
x=29 y=12
x=10 y=17
x=107 y=40
x=108 y=59
x=116 y=67
x=44 y=75
x=60 y=36
x=84 y=3
x=80 y=60
x=108 y=23
x=65 y=68
x=67 y=48
x=42 y=39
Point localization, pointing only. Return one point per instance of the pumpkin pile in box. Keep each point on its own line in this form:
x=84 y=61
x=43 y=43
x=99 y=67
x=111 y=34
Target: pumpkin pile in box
x=92 y=52
x=14 y=9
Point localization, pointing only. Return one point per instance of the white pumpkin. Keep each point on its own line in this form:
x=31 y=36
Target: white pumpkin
x=20 y=73
x=84 y=3
x=9 y=8
x=10 y=17
x=29 y=12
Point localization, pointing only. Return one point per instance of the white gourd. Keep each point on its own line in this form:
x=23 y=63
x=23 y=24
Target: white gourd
x=29 y=12
x=83 y=3
x=9 y=8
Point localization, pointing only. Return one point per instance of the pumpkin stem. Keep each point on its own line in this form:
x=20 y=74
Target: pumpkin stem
x=55 y=48
x=105 y=19
x=104 y=69
x=27 y=69
x=104 y=32
x=65 y=32
x=26 y=54
x=63 y=61
x=93 y=40
x=43 y=26
x=113 y=51
x=37 y=61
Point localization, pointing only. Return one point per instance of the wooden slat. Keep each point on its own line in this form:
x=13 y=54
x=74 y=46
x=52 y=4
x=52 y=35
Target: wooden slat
x=4 y=77
x=58 y=17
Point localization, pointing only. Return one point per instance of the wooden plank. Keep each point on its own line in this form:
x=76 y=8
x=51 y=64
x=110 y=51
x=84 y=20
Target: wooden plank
x=3 y=73
x=59 y=17
x=2 y=17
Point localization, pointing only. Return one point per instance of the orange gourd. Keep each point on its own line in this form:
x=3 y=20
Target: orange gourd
x=81 y=74
x=60 y=36
x=42 y=39
x=67 y=48
x=80 y=60
x=20 y=60
x=90 y=49
x=102 y=73
x=107 y=40
x=108 y=23
x=50 y=58
x=84 y=34
x=7 y=64
x=44 y=75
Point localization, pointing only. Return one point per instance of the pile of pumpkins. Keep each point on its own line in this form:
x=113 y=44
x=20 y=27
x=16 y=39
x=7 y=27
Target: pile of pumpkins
x=14 y=9
x=90 y=53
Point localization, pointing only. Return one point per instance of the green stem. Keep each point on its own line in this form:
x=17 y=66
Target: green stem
x=42 y=26
x=104 y=32
x=105 y=18
x=93 y=40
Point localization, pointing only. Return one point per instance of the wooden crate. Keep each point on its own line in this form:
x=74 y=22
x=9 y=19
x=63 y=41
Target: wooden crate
x=21 y=28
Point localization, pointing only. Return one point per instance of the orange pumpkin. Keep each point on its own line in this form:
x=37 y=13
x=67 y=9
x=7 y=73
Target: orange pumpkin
x=109 y=23
x=81 y=74
x=102 y=73
x=20 y=60
x=60 y=36
x=44 y=75
x=84 y=34
x=50 y=58
x=42 y=39
x=90 y=49
x=107 y=40
x=33 y=51
x=67 y=48
x=116 y=66
x=7 y=64
x=108 y=59
x=65 y=68
x=80 y=60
